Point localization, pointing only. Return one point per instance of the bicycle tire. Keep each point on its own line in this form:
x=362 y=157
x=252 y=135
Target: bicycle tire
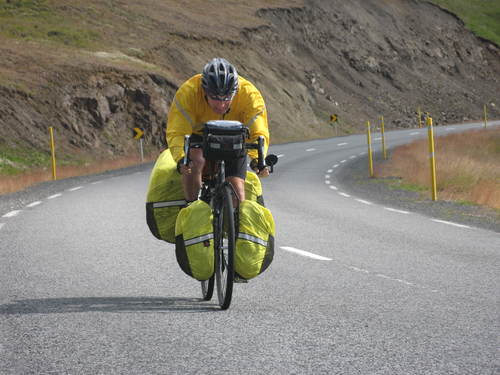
x=224 y=249
x=207 y=288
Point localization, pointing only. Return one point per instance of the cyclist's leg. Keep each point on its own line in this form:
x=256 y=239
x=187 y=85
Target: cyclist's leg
x=191 y=183
x=236 y=171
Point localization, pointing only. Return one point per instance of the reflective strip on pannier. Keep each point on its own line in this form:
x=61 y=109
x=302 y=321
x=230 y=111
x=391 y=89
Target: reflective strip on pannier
x=194 y=245
x=165 y=198
x=255 y=241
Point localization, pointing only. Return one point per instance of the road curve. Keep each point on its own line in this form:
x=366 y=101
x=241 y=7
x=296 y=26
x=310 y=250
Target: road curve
x=355 y=287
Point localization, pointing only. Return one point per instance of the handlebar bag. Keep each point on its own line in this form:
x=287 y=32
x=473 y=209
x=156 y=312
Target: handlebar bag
x=194 y=240
x=165 y=198
x=224 y=140
x=255 y=243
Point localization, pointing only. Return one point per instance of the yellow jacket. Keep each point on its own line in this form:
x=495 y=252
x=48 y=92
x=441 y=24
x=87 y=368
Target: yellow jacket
x=190 y=110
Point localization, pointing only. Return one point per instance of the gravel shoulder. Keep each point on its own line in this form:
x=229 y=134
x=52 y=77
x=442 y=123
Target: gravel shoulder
x=354 y=179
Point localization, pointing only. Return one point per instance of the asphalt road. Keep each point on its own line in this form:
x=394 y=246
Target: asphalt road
x=355 y=287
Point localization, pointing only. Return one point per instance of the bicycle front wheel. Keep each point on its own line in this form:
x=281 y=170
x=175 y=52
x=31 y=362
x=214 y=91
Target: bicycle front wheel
x=224 y=249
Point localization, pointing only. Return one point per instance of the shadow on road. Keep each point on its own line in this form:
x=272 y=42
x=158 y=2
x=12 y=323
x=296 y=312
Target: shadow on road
x=106 y=304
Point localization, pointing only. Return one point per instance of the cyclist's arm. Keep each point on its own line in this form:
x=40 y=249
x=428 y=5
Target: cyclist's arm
x=179 y=124
x=256 y=120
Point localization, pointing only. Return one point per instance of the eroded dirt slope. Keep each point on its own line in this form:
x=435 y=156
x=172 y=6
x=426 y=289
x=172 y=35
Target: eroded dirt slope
x=359 y=59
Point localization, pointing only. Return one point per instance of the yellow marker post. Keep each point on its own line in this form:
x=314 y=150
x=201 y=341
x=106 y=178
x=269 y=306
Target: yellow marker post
x=53 y=152
x=432 y=158
x=485 y=116
x=419 y=113
x=370 y=159
x=382 y=128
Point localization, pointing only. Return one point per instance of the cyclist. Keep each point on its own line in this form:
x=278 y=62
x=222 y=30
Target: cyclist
x=218 y=93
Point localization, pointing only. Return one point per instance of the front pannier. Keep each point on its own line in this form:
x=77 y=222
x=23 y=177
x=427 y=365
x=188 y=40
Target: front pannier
x=165 y=197
x=224 y=140
x=194 y=240
x=255 y=242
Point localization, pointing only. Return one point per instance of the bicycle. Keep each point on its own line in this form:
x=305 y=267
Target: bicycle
x=228 y=138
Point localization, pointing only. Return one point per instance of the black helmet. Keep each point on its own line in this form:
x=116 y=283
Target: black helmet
x=219 y=78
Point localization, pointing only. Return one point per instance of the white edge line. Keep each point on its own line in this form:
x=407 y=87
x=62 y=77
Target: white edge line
x=394 y=210
x=450 y=223
x=304 y=253
x=12 y=213
x=364 y=202
x=34 y=204
x=54 y=196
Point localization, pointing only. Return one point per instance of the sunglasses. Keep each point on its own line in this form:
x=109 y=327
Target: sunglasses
x=221 y=98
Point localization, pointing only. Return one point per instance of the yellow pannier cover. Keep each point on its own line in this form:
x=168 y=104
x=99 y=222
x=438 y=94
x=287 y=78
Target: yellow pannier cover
x=165 y=197
x=255 y=240
x=194 y=240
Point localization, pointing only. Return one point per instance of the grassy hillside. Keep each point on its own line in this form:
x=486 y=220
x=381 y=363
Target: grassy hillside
x=480 y=16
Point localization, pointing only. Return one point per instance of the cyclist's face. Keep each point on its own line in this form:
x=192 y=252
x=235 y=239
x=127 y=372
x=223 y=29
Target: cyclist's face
x=219 y=105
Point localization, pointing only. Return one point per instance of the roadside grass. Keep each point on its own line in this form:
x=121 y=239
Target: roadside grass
x=16 y=179
x=39 y=20
x=480 y=16
x=467 y=167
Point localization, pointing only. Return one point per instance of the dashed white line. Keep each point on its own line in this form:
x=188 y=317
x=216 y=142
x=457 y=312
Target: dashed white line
x=1 y=225
x=336 y=166
x=377 y=139
x=310 y=149
x=362 y=153
x=327 y=182
x=352 y=157
x=327 y=176
x=81 y=187
x=357 y=269
x=414 y=133
x=329 y=171
x=54 y=196
x=394 y=210
x=364 y=202
x=343 y=161
x=12 y=213
x=304 y=253
x=345 y=195
x=342 y=144
x=96 y=182
x=450 y=223
x=281 y=155
x=333 y=187
x=34 y=204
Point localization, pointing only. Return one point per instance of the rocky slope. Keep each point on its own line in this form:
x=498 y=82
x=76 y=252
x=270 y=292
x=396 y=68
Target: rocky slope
x=358 y=59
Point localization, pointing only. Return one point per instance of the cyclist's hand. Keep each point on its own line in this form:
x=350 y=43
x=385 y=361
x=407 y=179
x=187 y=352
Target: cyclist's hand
x=184 y=169
x=263 y=173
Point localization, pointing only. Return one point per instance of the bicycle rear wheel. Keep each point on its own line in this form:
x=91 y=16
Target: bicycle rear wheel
x=224 y=249
x=207 y=288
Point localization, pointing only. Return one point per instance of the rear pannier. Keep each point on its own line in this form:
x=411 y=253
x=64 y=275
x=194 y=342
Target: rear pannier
x=194 y=240
x=165 y=197
x=253 y=188
x=255 y=241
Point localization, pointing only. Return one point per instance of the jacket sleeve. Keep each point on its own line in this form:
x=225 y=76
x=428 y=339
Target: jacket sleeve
x=179 y=124
x=256 y=120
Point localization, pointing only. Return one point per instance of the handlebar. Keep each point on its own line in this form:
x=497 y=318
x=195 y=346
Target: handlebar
x=269 y=161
